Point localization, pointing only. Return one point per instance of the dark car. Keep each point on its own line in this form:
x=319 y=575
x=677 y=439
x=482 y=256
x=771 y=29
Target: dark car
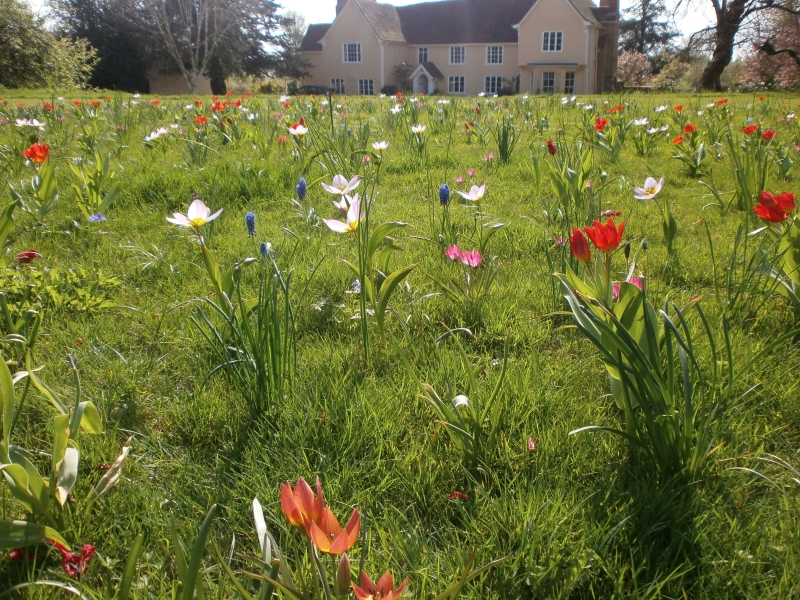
x=317 y=90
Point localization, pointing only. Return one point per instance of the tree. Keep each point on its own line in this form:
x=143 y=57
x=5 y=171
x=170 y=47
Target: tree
x=647 y=29
x=730 y=16
x=774 y=59
x=125 y=50
x=222 y=37
x=634 y=68
x=31 y=56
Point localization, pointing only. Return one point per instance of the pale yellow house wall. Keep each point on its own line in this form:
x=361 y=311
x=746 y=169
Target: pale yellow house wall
x=475 y=69
x=578 y=46
x=394 y=54
x=350 y=26
x=174 y=84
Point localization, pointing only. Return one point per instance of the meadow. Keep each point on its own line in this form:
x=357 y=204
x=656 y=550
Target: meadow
x=503 y=392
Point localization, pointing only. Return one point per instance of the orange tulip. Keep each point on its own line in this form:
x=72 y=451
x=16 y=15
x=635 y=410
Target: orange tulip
x=37 y=153
x=328 y=536
x=300 y=506
x=382 y=591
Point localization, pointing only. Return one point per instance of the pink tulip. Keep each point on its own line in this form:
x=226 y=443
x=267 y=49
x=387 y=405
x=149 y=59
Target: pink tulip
x=453 y=252
x=472 y=258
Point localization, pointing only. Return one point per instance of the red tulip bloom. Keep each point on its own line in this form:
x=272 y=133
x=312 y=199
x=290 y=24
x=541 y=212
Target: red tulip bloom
x=155 y=102
x=600 y=124
x=689 y=129
x=775 y=208
x=762 y=98
x=201 y=120
x=382 y=591
x=722 y=101
x=580 y=247
x=75 y=564
x=37 y=153
x=47 y=106
x=750 y=129
x=300 y=506
x=95 y=103
x=77 y=103
x=605 y=238
x=678 y=108
x=677 y=140
x=551 y=148
x=611 y=213
x=768 y=135
x=27 y=256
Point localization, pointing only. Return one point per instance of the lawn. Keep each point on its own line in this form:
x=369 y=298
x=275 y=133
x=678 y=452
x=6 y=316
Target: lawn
x=229 y=355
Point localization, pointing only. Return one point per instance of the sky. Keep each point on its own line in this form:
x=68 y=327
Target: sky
x=700 y=15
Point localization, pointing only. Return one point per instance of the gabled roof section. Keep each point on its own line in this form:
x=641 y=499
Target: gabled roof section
x=428 y=67
x=383 y=19
x=585 y=9
x=313 y=35
x=462 y=21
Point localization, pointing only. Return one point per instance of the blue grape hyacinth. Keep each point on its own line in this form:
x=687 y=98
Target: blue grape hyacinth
x=444 y=194
x=250 y=220
x=301 y=189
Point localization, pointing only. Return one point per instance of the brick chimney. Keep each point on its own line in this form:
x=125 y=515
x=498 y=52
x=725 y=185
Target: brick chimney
x=612 y=6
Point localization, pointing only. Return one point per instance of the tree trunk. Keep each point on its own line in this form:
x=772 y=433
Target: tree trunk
x=217 y=77
x=728 y=21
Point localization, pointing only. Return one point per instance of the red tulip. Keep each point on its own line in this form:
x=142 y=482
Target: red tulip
x=677 y=140
x=722 y=101
x=75 y=564
x=689 y=128
x=37 y=153
x=605 y=238
x=678 y=108
x=768 y=134
x=750 y=129
x=774 y=208
x=328 y=536
x=551 y=148
x=580 y=247
x=382 y=591
x=600 y=124
x=27 y=256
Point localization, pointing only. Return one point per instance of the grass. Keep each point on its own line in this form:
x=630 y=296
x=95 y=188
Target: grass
x=581 y=516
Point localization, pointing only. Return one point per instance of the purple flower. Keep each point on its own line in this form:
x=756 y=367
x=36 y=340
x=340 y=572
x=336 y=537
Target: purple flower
x=301 y=189
x=356 y=285
x=444 y=194
x=97 y=218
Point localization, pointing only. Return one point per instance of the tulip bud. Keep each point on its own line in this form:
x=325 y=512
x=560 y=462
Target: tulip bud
x=626 y=250
x=342 y=582
x=580 y=246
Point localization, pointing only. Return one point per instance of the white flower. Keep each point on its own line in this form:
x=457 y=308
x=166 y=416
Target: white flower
x=699 y=113
x=285 y=98
x=710 y=105
x=481 y=94
x=640 y=122
x=163 y=130
x=396 y=109
x=383 y=96
x=298 y=128
x=650 y=189
x=564 y=100
x=379 y=146
x=460 y=400
x=418 y=129
x=661 y=108
x=588 y=107
x=525 y=97
x=137 y=95
x=174 y=126
x=341 y=185
x=653 y=130
x=445 y=101
x=790 y=116
x=475 y=193
x=573 y=98
x=664 y=128
x=30 y=123
x=197 y=215
x=352 y=219
x=189 y=107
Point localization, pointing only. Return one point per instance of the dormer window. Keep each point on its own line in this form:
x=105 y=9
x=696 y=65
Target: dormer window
x=422 y=55
x=551 y=41
x=351 y=52
x=494 y=55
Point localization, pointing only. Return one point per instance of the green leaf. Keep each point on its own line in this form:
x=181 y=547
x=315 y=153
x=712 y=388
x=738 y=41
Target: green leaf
x=391 y=283
x=66 y=474
x=124 y=589
x=6 y=223
x=198 y=550
x=19 y=534
x=378 y=235
x=7 y=400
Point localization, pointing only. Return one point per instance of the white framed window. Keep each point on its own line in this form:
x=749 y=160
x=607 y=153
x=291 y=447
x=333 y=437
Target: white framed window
x=494 y=55
x=351 y=52
x=455 y=84
x=337 y=85
x=569 y=82
x=493 y=84
x=366 y=87
x=548 y=82
x=458 y=55
x=422 y=55
x=551 y=41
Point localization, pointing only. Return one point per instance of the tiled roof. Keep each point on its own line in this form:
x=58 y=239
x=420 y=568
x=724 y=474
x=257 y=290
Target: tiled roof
x=462 y=21
x=383 y=19
x=432 y=70
x=450 y=21
x=313 y=36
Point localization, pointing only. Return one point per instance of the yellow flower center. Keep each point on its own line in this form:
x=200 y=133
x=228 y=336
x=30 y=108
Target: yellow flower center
x=352 y=226
x=650 y=190
x=197 y=222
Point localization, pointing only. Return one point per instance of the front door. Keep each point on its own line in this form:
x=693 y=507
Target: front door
x=421 y=84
